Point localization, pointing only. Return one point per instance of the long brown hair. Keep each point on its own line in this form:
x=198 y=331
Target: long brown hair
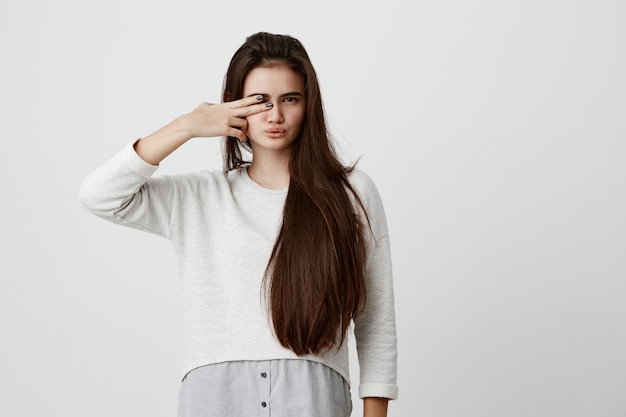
x=315 y=275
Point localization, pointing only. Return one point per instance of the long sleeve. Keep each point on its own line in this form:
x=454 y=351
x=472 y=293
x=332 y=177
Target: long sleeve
x=122 y=191
x=375 y=327
x=213 y=218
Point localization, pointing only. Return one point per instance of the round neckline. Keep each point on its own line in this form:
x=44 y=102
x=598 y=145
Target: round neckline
x=244 y=174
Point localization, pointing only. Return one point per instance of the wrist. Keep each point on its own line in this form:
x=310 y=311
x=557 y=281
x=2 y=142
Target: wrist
x=182 y=129
x=375 y=407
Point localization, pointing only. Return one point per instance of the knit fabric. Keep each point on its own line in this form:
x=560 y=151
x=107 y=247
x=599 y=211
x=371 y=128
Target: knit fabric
x=223 y=227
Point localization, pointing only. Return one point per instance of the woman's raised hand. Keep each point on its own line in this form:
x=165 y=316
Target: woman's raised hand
x=225 y=119
x=206 y=120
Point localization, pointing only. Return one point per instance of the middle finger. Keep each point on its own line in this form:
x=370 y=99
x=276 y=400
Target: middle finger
x=252 y=109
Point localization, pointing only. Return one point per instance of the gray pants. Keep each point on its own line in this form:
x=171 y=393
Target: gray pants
x=276 y=388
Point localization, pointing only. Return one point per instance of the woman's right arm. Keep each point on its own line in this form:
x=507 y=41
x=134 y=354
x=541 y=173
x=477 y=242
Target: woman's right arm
x=206 y=120
x=122 y=190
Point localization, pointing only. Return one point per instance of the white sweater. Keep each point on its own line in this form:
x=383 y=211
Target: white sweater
x=223 y=228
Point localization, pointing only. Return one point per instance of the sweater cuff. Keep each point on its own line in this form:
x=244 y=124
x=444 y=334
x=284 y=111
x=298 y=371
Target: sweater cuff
x=134 y=161
x=378 y=390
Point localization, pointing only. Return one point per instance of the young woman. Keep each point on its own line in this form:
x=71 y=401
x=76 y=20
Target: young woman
x=278 y=254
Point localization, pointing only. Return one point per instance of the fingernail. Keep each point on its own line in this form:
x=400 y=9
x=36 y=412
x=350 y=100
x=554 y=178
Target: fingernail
x=268 y=104
x=259 y=97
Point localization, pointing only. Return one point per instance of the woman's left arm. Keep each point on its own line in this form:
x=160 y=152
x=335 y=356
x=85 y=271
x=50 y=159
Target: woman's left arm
x=375 y=407
x=375 y=326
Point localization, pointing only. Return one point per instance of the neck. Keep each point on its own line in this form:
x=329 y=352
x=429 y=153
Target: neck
x=270 y=170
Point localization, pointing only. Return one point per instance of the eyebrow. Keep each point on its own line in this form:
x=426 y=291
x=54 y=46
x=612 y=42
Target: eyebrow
x=291 y=93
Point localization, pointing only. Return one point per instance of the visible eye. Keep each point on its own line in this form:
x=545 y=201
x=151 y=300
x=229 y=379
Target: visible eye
x=291 y=99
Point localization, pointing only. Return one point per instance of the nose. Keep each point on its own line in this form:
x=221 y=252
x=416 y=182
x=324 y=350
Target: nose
x=275 y=114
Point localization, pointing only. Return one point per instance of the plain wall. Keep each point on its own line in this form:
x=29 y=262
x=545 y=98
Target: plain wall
x=495 y=131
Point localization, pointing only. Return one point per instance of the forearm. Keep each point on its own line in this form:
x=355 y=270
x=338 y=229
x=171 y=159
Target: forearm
x=158 y=145
x=375 y=407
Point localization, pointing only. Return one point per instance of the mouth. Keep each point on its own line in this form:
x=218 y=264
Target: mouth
x=275 y=132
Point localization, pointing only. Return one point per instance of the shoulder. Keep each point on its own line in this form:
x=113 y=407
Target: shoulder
x=359 y=179
x=367 y=191
x=365 y=187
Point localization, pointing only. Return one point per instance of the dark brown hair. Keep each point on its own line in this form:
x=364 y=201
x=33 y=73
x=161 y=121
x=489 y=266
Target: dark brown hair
x=315 y=274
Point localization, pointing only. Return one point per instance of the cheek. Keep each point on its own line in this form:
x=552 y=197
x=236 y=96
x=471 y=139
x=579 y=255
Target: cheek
x=253 y=120
x=297 y=115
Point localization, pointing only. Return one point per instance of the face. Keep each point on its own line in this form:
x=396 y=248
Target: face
x=277 y=128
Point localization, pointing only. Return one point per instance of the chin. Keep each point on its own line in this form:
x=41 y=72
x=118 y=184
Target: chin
x=272 y=144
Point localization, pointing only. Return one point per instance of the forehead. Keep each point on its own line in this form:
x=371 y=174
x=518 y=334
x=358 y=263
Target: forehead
x=273 y=80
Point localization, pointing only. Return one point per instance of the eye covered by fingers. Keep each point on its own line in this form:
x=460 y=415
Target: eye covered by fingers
x=248 y=106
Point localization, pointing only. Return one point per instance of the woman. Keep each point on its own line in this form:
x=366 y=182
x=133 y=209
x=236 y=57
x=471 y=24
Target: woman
x=278 y=255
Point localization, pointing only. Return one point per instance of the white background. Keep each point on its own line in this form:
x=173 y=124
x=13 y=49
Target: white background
x=495 y=131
